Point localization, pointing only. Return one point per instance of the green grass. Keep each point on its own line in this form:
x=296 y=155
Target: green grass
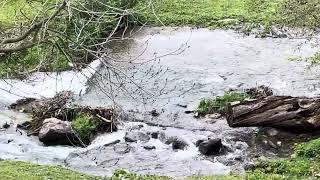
x=217 y=104
x=84 y=126
x=21 y=11
x=15 y=170
x=227 y=13
x=212 y=13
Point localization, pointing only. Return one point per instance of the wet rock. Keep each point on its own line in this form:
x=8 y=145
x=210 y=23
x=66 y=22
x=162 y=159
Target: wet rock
x=24 y=125
x=278 y=33
x=149 y=147
x=272 y=132
x=174 y=141
x=273 y=145
x=241 y=145
x=162 y=137
x=199 y=142
x=5 y=125
x=179 y=144
x=55 y=131
x=134 y=136
x=135 y=127
x=210 y=147
x=155 y=135
x=122 y=148
x=214 y=116
x=188 y=112
x=249 y=166
x=112 y=143
x=182 y=105
x=154 y=113
x=259 y=92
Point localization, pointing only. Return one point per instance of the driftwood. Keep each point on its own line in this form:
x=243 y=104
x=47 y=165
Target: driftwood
x=296 y=114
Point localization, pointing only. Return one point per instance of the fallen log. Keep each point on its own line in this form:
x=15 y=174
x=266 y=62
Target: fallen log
x=296 y=114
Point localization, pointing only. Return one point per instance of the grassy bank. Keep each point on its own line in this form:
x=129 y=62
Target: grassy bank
x=212 y=13
x=304 y=164
x=15 y=170
x=226 y=13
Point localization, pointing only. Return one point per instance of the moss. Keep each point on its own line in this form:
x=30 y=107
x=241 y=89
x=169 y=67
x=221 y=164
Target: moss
x=12 y=170
x=218 y=103
x=84 y=126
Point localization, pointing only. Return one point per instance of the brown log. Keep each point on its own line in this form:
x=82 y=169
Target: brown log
x=296 y=114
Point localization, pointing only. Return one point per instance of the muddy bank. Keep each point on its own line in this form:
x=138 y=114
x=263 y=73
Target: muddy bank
x=176 y=68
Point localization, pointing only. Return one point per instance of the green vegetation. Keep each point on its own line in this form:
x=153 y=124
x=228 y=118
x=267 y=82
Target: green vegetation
x=218 y=103
x=304 y=164
x=84 y=126
x=212 y=13
x=227 y=13
x=124 y=174
x=309 y=149
x=61 y=55
x=313 y=60
x=14 y=170
x=62 y=43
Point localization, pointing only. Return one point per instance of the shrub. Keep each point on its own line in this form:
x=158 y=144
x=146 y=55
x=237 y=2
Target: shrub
x=84 y=126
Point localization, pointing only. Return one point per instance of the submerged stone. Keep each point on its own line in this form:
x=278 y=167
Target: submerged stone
x=210 y=147
x=134 y=136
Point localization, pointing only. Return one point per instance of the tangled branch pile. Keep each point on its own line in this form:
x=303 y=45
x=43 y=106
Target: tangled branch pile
x=59 y=107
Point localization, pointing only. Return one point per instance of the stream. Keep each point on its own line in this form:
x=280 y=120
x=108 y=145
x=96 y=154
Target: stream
x=155 y=77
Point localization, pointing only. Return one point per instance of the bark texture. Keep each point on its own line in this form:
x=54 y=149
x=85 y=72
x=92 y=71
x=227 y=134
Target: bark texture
x=296 y=114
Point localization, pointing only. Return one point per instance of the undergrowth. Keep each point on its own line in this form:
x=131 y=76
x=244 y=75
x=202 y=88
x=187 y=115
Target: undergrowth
x=84 y=126
x=217 y=104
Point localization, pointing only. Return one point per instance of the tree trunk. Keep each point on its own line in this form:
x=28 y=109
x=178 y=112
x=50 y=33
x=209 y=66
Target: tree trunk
x=296 y=114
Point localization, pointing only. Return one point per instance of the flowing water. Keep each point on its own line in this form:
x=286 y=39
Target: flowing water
x=155 y=77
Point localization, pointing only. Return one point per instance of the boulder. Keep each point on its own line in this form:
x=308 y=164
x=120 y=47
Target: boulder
x=179 y=144
x=176 y=142
x=210 y=147
x=134 y=136
x=148 y=147
x=155 y=135
x=199 y=142
x=55 y=131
